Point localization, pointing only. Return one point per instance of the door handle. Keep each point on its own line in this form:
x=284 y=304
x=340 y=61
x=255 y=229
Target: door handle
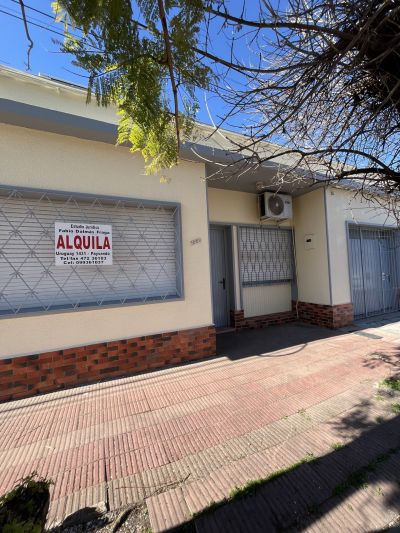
x=223 y=283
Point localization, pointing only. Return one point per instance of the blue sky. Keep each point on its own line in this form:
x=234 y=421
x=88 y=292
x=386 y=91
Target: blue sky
x=45 y=56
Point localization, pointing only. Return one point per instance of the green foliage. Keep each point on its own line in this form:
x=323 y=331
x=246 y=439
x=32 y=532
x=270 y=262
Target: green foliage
x=24 y=509
x=121 y=45
x=392 y=384
x=395 y=407
x=250 y=488
x=357 y=480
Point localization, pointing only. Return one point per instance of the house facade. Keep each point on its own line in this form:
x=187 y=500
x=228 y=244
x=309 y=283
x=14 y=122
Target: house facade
x=105 y=271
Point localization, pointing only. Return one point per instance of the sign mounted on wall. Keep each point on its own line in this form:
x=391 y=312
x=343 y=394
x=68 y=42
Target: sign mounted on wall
x=83 y=244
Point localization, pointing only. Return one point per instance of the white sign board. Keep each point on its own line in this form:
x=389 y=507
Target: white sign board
x=83 y=244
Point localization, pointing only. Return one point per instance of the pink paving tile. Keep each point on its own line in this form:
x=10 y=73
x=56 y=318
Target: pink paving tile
x=134 y=427
x=167 y=510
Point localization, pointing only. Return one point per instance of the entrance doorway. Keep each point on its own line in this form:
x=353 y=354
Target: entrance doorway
x=220 y=277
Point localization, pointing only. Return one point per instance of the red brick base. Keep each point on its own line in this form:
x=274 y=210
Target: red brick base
x=329 y=316
x=34 y=374
x=238 y=320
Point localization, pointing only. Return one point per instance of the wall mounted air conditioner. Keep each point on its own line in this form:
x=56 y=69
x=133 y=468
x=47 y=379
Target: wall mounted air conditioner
x=274 y=205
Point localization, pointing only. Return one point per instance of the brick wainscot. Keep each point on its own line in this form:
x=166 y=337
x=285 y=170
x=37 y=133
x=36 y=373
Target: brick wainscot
x=238 y=320
x=34 y=374
x=328 y=316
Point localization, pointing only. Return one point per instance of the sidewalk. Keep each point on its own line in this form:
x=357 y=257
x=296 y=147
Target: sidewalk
x=183 y=438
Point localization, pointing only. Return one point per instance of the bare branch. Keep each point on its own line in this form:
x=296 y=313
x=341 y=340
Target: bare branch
x=279 y=24
x=30 y=42
x=327 y=87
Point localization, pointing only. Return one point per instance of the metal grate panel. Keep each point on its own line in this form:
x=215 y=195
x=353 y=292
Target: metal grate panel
x=374 y=269
x=266 y=255
x=146 y=252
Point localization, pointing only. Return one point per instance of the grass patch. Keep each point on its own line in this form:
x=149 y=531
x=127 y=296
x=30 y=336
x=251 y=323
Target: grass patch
x=357 y=480
x=379 y=397
x=250 y=488
x=392 y=384
x=395 y=407
x=337 y=446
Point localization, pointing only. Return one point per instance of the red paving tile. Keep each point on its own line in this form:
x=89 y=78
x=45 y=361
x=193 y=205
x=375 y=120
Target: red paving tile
x=204 y=419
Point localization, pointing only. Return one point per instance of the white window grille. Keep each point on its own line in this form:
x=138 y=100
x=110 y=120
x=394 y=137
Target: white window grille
x=147 y=264
x=266 y=255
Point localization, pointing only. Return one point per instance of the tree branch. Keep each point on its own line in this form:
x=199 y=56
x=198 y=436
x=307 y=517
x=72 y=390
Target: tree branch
x=243 y=69
x=170 y=67
x=286 y=24
x=30 y=42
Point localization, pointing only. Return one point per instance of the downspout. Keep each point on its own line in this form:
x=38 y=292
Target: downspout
x=328 y=247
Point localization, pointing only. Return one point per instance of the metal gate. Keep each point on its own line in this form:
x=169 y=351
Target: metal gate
x=374 y=271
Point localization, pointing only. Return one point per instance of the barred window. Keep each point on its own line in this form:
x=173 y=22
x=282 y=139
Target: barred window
x=146 y=252
x=265 y=255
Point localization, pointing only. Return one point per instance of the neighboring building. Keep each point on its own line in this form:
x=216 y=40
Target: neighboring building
x=183 y=254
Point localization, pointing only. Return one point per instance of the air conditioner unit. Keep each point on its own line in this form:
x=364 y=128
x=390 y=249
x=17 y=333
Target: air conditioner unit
x=274 y=205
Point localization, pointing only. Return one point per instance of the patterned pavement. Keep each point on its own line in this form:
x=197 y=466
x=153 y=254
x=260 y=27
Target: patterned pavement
x=183 y=438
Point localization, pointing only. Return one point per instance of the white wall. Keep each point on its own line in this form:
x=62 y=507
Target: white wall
x=346 y=205
x=312 y=264
x=235 y=207
x=44 y=160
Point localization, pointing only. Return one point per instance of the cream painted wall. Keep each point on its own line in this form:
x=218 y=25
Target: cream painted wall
x=44 y=160
x=52 y=95
x=346 y=205
x=266 y=299
x=312 y=264
x=232 y=206
x=235 y=207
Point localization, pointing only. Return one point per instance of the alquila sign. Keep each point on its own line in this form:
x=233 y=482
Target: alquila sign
x=83 y=244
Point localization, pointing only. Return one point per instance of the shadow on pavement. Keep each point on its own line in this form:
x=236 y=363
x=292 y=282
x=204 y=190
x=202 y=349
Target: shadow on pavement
x=349 y=489
x=233 y=345
x=293 y=336
x=378 y=320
